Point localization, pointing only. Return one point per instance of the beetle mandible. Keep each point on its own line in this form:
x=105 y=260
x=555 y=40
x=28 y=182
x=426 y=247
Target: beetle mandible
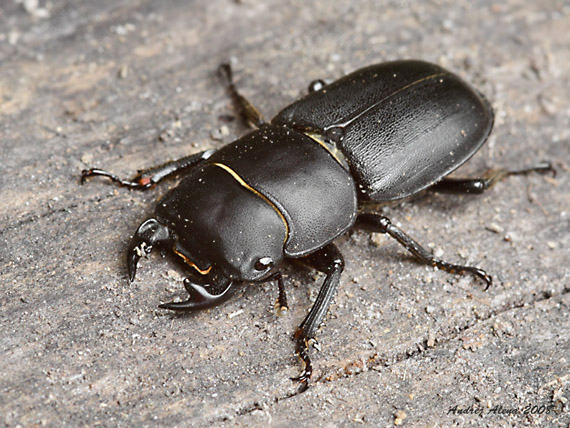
x=289 y=188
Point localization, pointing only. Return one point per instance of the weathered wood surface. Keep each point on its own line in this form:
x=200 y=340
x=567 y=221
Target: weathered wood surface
x=128 y=84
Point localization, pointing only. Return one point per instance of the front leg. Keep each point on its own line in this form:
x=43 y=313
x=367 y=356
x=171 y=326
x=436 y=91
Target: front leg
x=328 y=260
x=147 y=178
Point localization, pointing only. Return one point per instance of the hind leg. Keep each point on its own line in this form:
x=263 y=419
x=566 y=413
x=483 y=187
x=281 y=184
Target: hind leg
x=489 y=179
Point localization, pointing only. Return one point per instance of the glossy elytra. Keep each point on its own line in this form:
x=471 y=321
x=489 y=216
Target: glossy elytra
x=289 y=188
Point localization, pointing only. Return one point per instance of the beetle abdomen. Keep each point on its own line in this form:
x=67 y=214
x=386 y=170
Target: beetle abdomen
x=312 y=191
x=401 y=125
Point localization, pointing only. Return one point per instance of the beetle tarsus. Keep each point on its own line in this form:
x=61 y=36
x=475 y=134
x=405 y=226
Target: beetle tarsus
x=481 y=274
x=137 y=183
x=488 y=180
x=542 y=166
x=458 y=269
x=382 y=224
x=147 y=178
x=303 y=353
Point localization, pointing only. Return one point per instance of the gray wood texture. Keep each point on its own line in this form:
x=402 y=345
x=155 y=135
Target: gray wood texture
x=125 y=85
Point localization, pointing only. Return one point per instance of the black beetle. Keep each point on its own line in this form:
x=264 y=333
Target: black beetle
x=289 y=188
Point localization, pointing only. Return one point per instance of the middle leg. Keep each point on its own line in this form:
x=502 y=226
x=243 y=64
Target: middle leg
x=379 y=223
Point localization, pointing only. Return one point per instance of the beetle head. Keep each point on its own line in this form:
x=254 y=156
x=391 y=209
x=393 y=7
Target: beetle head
x=206 y=290
x=214 y=271
x=224 y=229
x=223 y=225
x=242 y=255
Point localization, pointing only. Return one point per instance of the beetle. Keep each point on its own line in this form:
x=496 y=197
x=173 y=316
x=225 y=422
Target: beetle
x=289 y=188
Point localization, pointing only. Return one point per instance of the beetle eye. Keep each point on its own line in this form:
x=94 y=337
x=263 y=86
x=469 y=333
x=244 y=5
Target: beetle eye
x=263 y=263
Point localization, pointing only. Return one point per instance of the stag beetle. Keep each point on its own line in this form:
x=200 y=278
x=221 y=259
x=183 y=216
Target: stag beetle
x=289 y=188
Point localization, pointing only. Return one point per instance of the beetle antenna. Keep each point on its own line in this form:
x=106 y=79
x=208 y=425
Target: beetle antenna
x=149 y=234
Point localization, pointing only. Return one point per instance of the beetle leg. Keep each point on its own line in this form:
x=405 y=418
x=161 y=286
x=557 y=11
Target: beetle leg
x=252 y=117
x=479 y=185
x=147 y=178
x=281 y=305
x=379 y=223
x=282 y=299
x=328 y=260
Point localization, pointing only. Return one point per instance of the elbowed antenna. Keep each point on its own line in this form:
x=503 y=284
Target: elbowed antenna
x=149 y=234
